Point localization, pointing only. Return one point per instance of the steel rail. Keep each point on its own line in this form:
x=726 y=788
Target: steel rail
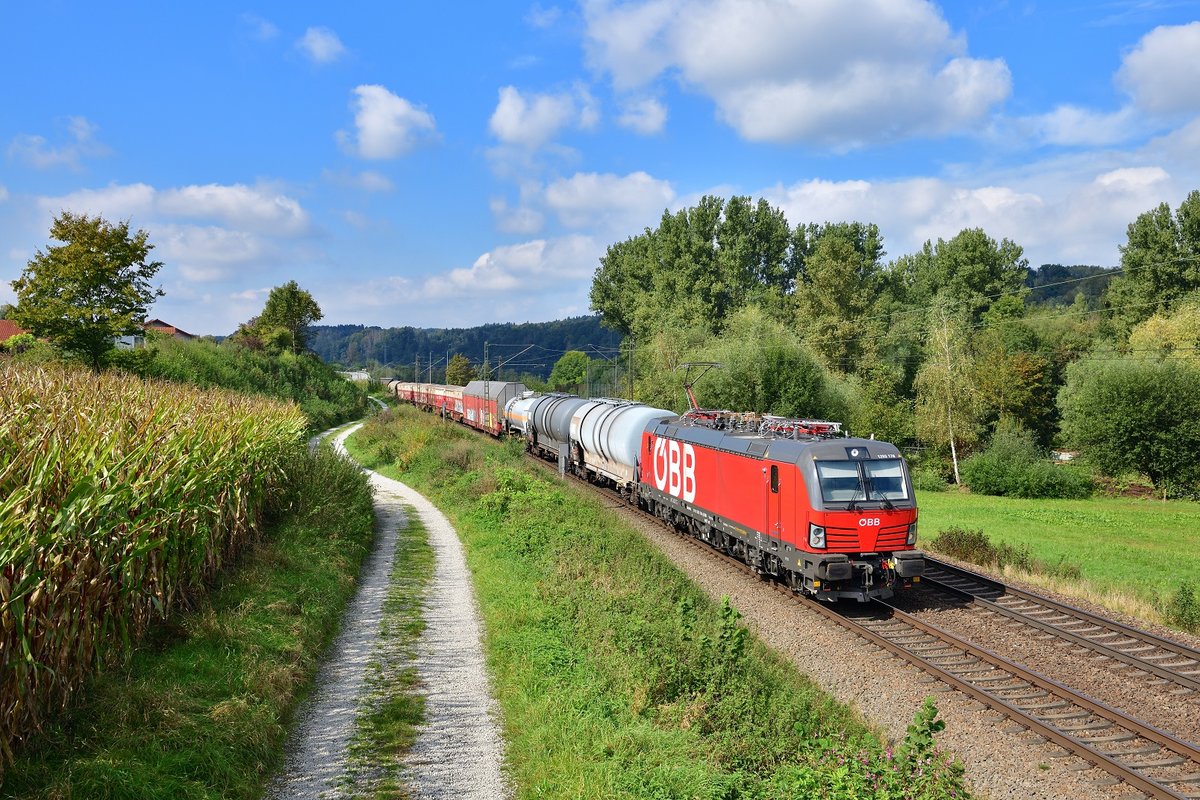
x=1127 y=728
x=1185 y=674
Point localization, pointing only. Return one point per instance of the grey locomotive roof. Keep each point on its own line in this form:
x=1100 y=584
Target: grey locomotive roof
x=786 y=450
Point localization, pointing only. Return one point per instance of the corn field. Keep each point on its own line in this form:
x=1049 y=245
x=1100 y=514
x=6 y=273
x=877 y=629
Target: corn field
x=119 y=498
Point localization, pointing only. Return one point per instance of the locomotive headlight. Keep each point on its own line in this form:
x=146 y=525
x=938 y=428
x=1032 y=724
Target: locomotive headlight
x=912 y=534
x=816 y=535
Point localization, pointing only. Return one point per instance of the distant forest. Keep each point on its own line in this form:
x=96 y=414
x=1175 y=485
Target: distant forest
x=397 y=351
x=1056 y=285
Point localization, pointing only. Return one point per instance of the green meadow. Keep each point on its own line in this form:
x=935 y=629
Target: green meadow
x=1131 y=552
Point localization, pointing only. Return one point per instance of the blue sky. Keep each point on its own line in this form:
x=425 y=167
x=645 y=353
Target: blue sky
x=447 y=165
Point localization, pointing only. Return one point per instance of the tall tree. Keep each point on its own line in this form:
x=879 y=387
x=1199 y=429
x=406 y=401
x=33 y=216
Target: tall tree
x=1137 y=414
x=842 y=281
x=289 y=310
x=947 y=402
x=459 y=371
x=83 y=294
x=569 y=370
x=971 y=271
x=1160 y=264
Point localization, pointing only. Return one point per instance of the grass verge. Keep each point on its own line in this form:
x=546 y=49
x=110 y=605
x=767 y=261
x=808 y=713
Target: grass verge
x=1134 y=555
x=617 y=676
x=201 y=708
x=393 y=705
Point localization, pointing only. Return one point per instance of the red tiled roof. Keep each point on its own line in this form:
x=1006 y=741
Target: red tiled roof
x=8 y=329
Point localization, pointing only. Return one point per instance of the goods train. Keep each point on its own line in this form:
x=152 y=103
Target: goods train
x=797 y=500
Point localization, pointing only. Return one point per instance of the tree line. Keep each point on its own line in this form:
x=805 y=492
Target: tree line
x=399 y=351
x=939 y=349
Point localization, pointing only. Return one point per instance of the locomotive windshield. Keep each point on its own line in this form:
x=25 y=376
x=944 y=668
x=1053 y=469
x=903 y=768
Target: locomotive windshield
x=862 y=481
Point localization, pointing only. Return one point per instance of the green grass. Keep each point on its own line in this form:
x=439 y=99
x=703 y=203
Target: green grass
x=616 y=676
x=1128 y=549
x=201 y=709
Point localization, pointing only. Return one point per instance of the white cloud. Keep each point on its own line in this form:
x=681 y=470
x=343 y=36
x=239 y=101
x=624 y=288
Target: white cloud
x=238 y=205
x=623 y=204
x=251 y=294
x=36 y=152
x=532 y=269
x=538 y=17
x=321 y=45
x=113 y=202
x=824 y=72
x=257 y=209
x=387 y=126
x=1059 y=212
x=259 y=28
x=521 y=219
x=1162 y=72
x=530 y=121
x=1070 y=125
x=540 y=261
x=208 y=233
x=645 y=116
x=208 y=254
x=3 y=193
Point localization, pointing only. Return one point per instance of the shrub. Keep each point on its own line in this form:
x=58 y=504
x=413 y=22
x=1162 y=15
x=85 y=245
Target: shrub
x=1014 y=466
x=929 y=479
x=1133 y=414
x=1183 y=609
x=975 y=547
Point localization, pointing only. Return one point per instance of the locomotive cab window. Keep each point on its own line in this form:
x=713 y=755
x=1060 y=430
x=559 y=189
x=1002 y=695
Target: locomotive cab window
x=859 y=481
x=840 y=481
x=775 y=479
x=885 y=479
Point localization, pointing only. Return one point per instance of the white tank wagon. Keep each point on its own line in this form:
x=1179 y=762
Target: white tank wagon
x=545 y=421
x=606 y=439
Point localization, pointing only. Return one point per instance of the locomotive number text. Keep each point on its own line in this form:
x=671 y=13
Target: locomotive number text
x=675 y=469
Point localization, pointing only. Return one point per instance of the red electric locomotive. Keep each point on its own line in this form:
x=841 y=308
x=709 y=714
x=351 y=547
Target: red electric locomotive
x=830 y=516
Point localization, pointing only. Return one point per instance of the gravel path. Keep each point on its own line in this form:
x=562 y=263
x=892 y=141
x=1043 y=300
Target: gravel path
x=458 y=752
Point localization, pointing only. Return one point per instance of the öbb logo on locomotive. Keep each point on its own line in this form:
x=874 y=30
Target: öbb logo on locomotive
x=675 y=469
x=798 y=500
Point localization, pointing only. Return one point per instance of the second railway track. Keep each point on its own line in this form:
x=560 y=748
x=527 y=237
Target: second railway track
x=1171 y=667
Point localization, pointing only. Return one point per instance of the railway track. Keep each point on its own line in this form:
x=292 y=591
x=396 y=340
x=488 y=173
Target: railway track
x=1142 y=756
x=1150 y=760
x=1160 y=661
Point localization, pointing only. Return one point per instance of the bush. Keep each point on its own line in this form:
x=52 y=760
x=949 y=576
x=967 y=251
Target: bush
x=929 y=479
x=1183 y=610
x=975 y=547
x=1014 y=466
x=1134 y=414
